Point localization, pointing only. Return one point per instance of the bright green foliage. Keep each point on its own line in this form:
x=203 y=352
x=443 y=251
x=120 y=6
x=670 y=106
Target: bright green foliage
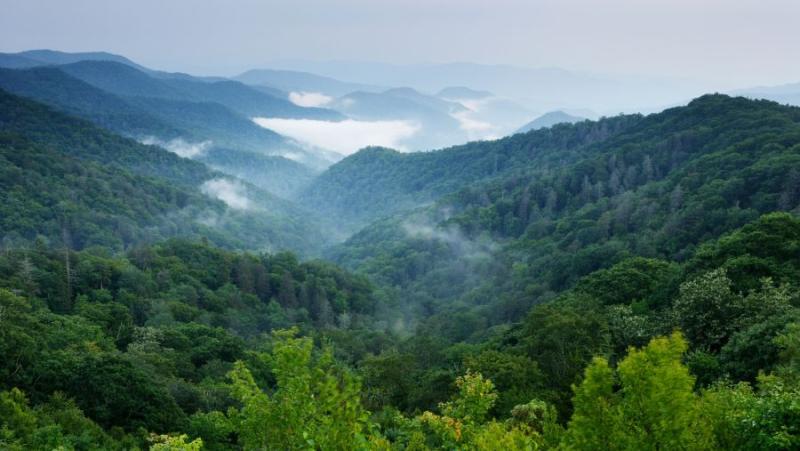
x=654 y=408
x=314 y=403
x=17 y=422
x=216 y=430
x=463 y=422
x=747 y=419
x=476 y=396
x=592 y=424
x=175 y=443
x=57 y=425
x=495 y=436
x=578 y=241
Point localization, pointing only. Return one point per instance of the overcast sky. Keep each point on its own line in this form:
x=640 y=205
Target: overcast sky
x=730 y=42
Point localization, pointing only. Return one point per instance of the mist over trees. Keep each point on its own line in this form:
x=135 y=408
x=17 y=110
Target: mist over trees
x=624 y=283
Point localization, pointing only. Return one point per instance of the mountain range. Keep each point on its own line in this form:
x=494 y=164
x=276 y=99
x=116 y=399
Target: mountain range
x=539 y=89
x=173 y=273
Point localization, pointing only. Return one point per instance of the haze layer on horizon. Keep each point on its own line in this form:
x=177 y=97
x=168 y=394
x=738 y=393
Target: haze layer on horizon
x=725 y=43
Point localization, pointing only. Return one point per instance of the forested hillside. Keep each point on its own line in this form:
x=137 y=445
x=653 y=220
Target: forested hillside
x=628 y=283
x=180 y=113
x=163 y=340
x=76 y=138
x=78 y=185
x=376 y=182
x=57 y=89
x=145 y=339
x=657 y=189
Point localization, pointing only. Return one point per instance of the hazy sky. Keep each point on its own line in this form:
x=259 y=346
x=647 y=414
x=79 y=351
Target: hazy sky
x=730 y=42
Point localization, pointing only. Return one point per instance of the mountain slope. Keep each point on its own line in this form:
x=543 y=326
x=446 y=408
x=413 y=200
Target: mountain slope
x=125 y=80
x=379 y=182
x=656 y=189
x=173 y=124
x=54 y=57
x=46 y=193
x=53 y=87
x=157 y=109
x=462 y=92
x=14 y=61
x=251 y=102
x=280 y=176
x=295 y=81
x=194 y=201
x=78 y=138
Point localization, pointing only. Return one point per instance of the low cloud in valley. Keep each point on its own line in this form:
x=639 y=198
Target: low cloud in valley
x=344 y=137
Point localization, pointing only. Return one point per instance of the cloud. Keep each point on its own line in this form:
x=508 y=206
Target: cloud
x=309 y=99
x=179 y=146
x=344 y=137
x=471 y=119
x=471 y=125
x=462 y=246
x=229 y=191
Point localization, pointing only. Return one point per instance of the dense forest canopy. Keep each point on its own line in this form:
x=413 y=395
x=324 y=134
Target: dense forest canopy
x=626 y=283
x=66 y=176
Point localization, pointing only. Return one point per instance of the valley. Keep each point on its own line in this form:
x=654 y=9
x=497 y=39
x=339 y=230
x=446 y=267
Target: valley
x=418 y=257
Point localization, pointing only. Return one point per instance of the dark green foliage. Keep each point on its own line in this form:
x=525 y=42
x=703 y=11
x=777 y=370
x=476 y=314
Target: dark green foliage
x=536 y=300
x=53 y=87
x=146 y=340
x=656 y=187
x=80 y=139
x=377 y=182
x=629 y=281
x=76 y=203
x=78 y=185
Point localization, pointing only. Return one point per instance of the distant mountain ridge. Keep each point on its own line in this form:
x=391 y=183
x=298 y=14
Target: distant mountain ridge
x=537 y=88
x=434 y=117
x=298 y=81
x=462 y=92
x=787 y=94
x=124 y=80
x=54 y=57
x=550 y=119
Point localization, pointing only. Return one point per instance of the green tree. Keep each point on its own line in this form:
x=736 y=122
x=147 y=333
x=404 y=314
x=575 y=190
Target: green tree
x=314 y=404
x=653 y=408
x=707 y=309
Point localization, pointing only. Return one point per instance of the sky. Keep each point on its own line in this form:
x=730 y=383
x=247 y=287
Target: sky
x=730 y=42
